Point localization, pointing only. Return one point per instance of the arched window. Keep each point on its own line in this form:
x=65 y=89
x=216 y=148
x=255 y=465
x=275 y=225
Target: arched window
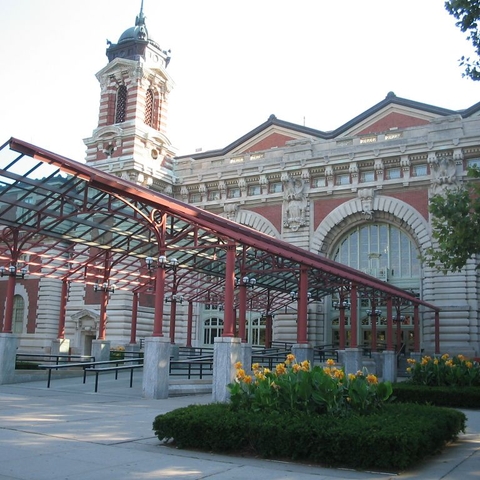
x=121 y=107
x=389 y=254
x=256 y=330
x=212 y=328
x=18 y=313
x=149 y=108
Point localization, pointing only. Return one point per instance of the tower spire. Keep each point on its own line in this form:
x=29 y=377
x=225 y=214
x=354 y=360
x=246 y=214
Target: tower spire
x=140 y=20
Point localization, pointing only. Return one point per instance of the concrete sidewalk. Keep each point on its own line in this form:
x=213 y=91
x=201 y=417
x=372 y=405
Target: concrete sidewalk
x=70 y=432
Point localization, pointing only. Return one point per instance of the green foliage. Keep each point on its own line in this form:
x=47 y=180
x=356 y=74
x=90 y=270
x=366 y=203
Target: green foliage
x=454 y=397
x=295 y=387
x=467 y=12
x=456 y=226
x=393 y=438
x=457 y=371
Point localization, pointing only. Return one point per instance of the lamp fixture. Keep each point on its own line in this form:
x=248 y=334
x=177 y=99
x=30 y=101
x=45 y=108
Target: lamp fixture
x=174 y=298
x=294 y=296
x=162 y=262
x=375 y=312
x=104 y=287
x=245 y=281
x=339 y=305
x=12 y=271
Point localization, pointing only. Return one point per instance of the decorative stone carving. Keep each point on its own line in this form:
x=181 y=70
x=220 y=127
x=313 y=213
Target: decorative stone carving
x=231 y=210
x=184 y=193
x=294 y=202
x=443 y=170
x=366 y=196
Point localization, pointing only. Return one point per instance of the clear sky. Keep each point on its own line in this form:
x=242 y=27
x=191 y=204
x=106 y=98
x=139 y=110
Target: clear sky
x=313 y=62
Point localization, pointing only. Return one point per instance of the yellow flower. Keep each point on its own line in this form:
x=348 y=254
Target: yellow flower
x=247 y=379
x=290 y=358
x=424 y=360
x=435 y=362
x=305 y=365
x=461 y=357
x=340 y=374
x=445 y=356
x=280 y=369
x=240 y=373
x=296 y=367
x=256 y=366
x=327 y=370
x=449 y=363
x=372 y=379
x=409 y=369
x=359 y=373
x=260 y=375
x=351 y=376
x=266 y=370
x=330 y=362
x=238 y=365
x=469 y=364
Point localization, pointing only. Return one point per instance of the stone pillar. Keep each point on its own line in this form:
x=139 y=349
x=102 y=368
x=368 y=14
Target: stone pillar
x=227 y=352
x=130 y=350
x=174 y=352
x=8 y=351
x=341 y=357
x=156 y=367
x=101 y=350
x=353 y=360
x=60 y=346
x=389 y=373
x=303 y=351
x=246 y=357
x=378 y=359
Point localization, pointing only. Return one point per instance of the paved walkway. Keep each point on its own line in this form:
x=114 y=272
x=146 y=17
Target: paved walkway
x=70 y=432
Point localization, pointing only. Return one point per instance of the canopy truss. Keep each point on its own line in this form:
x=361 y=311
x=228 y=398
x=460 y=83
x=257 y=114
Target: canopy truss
x=79 y=224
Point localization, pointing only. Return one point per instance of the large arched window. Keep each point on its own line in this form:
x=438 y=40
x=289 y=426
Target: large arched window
x=18 y=313
x=121 y=106
x=389 y=254
x=383 y=251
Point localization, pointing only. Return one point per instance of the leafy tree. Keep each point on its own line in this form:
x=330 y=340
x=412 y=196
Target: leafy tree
x=456 y=224
x=467 y=12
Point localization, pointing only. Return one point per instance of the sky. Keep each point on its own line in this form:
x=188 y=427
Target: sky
x=234 y=63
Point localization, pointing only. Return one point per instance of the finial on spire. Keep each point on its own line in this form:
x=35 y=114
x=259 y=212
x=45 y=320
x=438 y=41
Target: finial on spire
x=140 y=20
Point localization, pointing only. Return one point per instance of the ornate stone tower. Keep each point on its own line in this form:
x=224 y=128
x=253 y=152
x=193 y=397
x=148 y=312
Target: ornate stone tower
x=130 y=140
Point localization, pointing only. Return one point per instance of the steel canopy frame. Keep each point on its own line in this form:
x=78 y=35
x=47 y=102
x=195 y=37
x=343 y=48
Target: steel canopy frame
x=80 y=213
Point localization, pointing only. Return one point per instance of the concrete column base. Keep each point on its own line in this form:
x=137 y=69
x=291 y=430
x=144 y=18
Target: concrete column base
x=60 y=346
x=341 y=357
x=8 y=351
x=303 y=351
x=246 y=357
x=174 y=351
x=156 y=367
x=377 y=357
x=101 y=350
x=226 y=353
x=389 y=373
x=132 y=348
x=353 y=360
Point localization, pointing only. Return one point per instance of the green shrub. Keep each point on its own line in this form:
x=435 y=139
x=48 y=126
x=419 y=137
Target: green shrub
x=394 y=438
x=454 y=397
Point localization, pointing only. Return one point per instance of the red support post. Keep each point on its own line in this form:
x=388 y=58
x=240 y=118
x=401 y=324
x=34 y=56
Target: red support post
x=189 y=324
x=416 y=329
x=173 y=317
x=268 y=330
x=63 y=310
x=7 y=326
x=389 y=324
x=242 y=312
x=133 y=327
x=102 y=329
x=229 y=318
x=159 y=299
x=353 y=317
x=302 y=306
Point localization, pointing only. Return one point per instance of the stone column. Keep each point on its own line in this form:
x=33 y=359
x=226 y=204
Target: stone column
x=227 y=352
x=60 y=346
x=303 y=351
x=378 y=359
x=353 y=360
x=101 y=350
x=246 y=357
x=389 y=373
x=8 y=351
x=156 y=367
